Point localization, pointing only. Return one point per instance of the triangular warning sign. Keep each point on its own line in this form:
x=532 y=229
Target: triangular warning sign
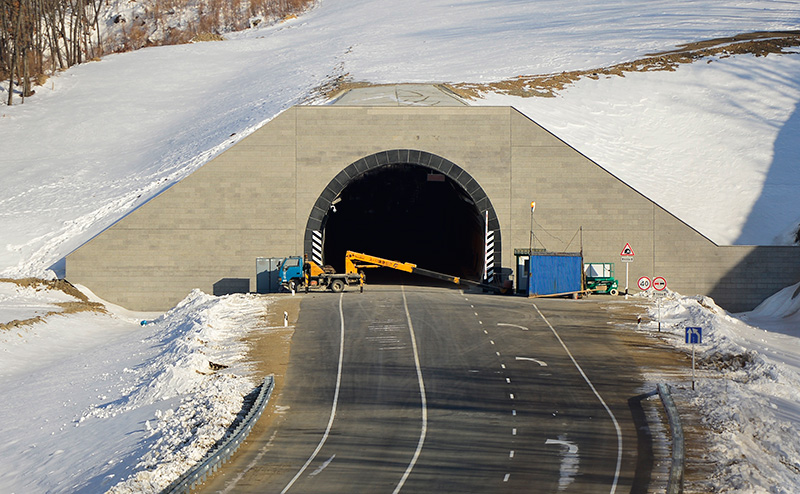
x=627 y=251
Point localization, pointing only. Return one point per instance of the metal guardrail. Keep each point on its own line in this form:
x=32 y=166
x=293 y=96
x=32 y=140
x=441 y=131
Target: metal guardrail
x=675 y=484
x=216 y=457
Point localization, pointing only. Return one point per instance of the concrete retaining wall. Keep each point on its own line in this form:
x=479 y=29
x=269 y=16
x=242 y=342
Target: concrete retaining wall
x=255 y=200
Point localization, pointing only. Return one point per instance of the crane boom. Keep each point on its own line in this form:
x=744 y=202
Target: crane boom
x=353 y=261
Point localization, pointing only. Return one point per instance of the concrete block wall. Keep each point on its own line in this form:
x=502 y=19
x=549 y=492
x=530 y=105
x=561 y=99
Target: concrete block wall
x=255 y=200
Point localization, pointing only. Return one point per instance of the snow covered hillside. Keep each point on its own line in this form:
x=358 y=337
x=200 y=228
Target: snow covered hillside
x=712 y=142
x=716 y=142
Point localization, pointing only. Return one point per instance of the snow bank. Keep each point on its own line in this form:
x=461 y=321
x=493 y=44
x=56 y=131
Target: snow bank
x=746 y=392
x=97 y=401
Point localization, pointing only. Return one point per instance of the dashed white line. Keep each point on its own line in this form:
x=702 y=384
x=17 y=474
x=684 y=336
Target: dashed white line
x=505 y=479
x=508 y=380
x=511 y=395
x=514 y=431
x=511 y=454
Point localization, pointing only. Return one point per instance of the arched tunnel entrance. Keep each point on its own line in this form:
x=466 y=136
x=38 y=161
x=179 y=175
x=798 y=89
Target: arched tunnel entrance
x=407 y=206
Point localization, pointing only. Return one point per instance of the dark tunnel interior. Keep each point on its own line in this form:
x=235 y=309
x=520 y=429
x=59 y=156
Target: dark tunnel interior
x=407 y=213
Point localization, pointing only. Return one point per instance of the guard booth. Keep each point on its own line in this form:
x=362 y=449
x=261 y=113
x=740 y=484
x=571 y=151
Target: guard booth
x=551 y=273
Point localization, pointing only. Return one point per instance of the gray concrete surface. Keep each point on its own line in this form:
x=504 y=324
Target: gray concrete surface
x=264 y=196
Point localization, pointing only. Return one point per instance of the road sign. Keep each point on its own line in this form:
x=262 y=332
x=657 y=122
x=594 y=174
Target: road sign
x=627 y=251
x=626 y=259
x=644 y=283
x=659 y=284
x=694 y=336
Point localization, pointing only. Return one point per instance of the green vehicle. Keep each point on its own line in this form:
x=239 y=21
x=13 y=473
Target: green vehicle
x=600 y=277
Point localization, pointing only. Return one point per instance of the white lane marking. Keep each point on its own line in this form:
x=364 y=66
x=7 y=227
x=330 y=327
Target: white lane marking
x=505 y=479
x=531 y=359
x=511 y=454
x=511 y=395
x=514 y=431
x=491 y=341
x=514 y=413
x=512 y=325
x=502 y=366
x=480 y=322
x=485 y=332
x=423 y=399
x=569 y=462
x=508 y=380
x=335 y=400
x=497 y=353
x=322 y=467
x=591 y=386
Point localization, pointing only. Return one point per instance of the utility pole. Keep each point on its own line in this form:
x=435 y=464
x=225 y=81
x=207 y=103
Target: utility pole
x=530 y=244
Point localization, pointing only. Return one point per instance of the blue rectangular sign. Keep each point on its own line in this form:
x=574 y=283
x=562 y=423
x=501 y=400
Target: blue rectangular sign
x=694 y=335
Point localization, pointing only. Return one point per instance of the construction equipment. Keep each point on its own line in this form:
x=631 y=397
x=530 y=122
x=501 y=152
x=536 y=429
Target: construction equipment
x=295 y=273
x=600 y=277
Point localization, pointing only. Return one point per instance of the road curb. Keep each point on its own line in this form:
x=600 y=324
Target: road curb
x=675 y=484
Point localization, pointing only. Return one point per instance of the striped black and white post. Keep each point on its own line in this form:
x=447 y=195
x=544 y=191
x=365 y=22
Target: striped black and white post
x=316 y=247
x=489 y=252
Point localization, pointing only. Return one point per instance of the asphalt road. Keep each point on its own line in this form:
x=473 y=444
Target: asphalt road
x=425 y=390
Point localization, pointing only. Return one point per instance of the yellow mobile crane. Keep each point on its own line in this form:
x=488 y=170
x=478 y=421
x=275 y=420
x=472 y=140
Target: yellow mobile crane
x=297 y=273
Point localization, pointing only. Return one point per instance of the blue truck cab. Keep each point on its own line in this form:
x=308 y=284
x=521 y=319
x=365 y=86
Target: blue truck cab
x=291 y=272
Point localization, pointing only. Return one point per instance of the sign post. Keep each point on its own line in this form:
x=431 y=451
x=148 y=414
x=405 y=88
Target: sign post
x=694 y=336
x=627 y=257
x=659 y=284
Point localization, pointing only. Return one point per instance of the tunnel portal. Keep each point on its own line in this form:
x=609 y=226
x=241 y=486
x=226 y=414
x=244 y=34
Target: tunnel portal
x=406 y=213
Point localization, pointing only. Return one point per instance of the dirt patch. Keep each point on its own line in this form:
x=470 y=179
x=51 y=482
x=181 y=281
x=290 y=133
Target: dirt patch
x=758 y=44
x=657 y=356
x=548 y=85
x=81 y=304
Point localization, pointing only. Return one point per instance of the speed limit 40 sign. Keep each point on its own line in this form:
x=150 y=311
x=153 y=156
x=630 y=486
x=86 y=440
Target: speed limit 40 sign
x=644 y=283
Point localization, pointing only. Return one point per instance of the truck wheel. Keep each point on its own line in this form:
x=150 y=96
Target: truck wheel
x=613 y=291
x=337 y=286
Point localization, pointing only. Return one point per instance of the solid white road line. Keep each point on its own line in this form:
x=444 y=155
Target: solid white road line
x=423 y=399
x=591 y=386
x=335 y=400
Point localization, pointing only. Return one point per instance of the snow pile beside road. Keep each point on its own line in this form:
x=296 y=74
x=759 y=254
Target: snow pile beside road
x=746 y=390
x=197 y=338
x=94 y=399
